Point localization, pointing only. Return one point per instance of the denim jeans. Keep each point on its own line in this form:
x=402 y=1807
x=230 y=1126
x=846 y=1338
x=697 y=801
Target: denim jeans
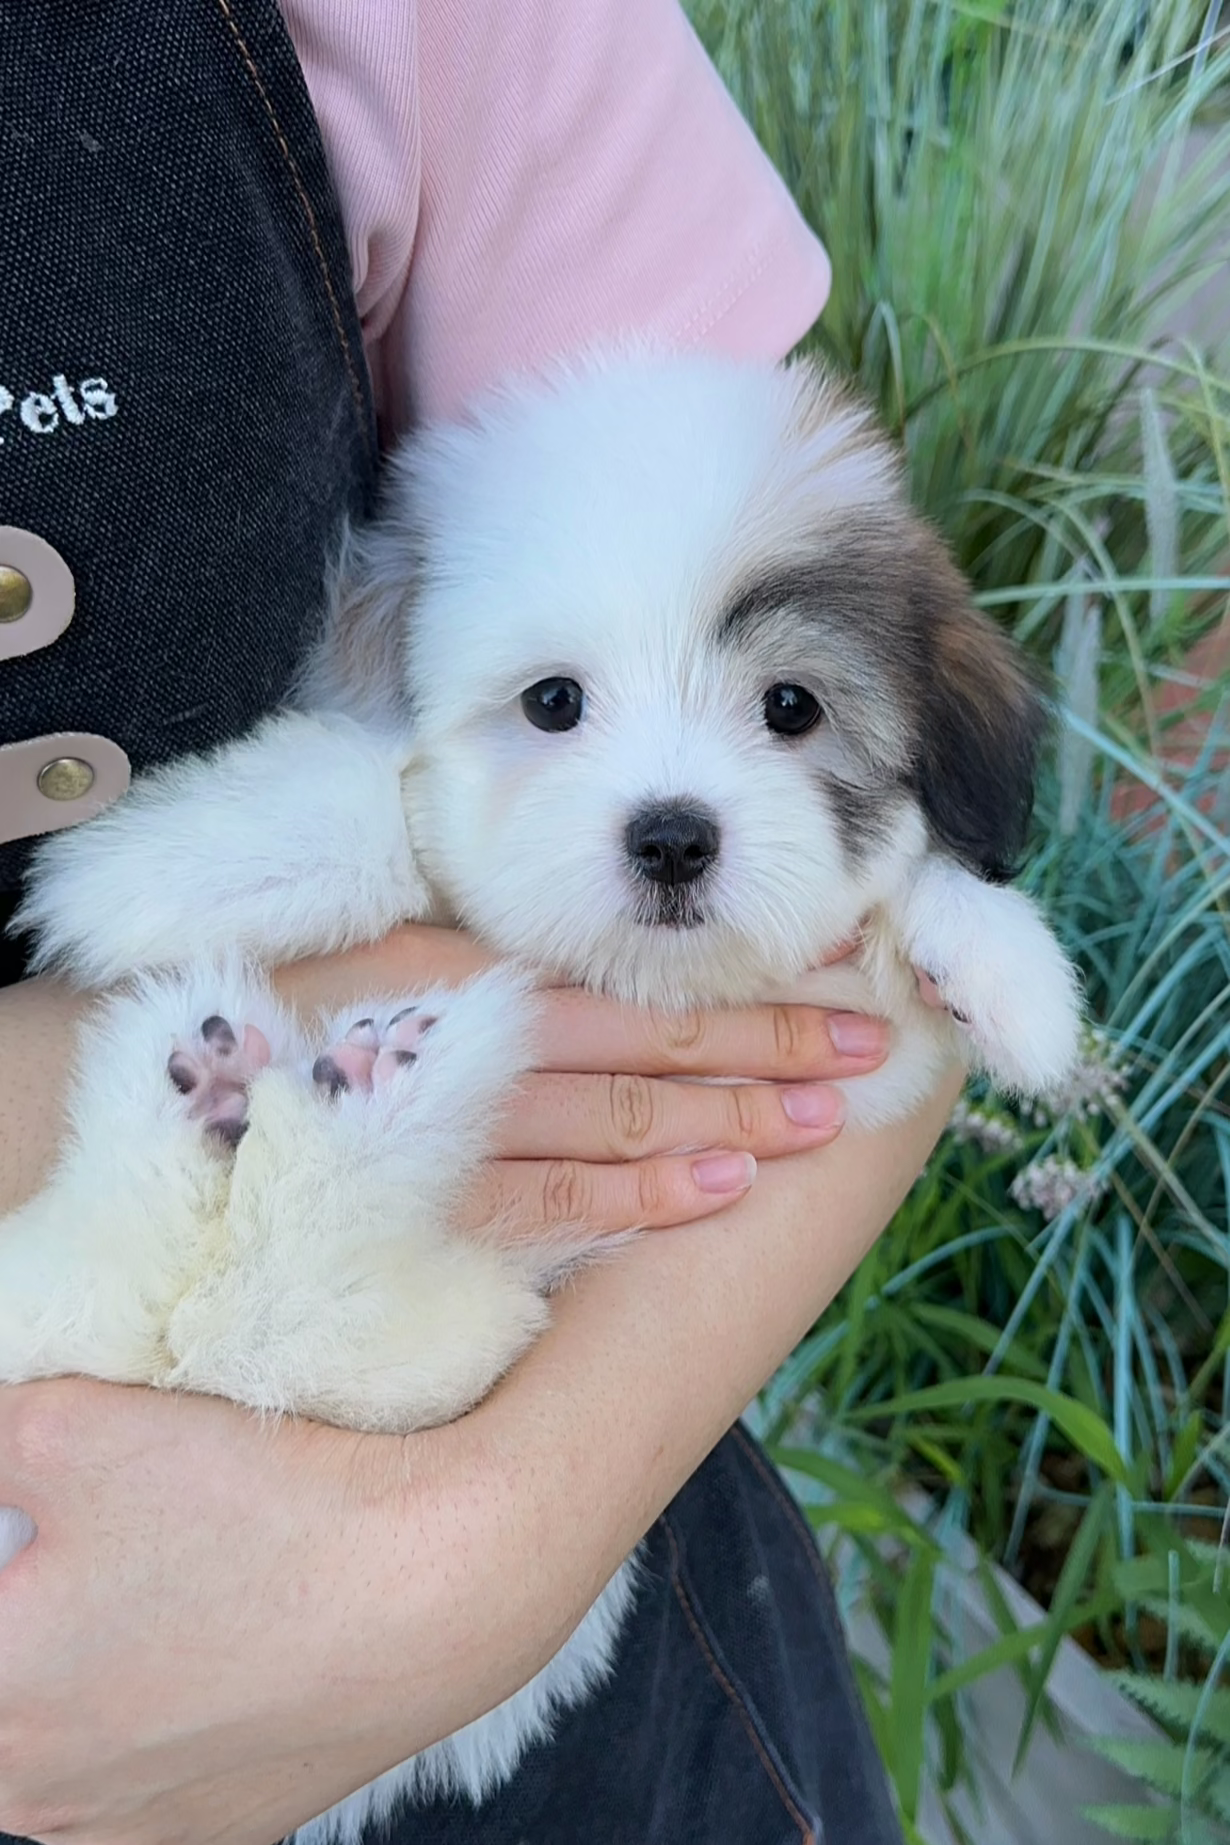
x=732 y=1717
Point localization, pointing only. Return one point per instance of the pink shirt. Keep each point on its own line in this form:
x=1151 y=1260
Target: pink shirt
x=520 y=178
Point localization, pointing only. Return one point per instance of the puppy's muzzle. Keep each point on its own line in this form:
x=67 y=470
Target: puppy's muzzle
x=672 y=844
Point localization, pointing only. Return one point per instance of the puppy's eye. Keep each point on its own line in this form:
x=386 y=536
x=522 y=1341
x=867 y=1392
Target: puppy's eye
x=553 y=704
x=790 y=710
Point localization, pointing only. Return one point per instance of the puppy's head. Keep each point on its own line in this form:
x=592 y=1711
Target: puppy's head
x=693 y=687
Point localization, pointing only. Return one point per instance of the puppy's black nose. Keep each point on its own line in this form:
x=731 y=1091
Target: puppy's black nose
x=672 y=844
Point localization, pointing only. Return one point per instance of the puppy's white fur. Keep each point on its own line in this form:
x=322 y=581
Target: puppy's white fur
x=150 y=1258
x=317 y=1273
x=187 y=859
x=676 y=536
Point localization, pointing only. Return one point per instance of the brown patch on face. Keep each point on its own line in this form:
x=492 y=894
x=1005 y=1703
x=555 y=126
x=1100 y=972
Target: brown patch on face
x=933 y=695
x=839 y=623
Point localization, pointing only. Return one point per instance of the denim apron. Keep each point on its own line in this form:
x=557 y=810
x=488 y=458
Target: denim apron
x=185 y=413
x=185 y=421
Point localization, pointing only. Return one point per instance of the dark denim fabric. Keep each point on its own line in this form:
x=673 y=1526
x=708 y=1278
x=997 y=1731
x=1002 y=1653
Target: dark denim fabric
x=732 y=1717
x=186 y=418
x=185 y=414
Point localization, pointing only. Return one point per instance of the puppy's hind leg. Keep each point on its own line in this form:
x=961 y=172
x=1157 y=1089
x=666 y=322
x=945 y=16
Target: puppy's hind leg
x=350 y=1295
x=91 y=1268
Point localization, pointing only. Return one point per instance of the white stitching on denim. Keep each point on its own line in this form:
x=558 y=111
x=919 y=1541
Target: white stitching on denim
x=309 y=215
x=807 y=1835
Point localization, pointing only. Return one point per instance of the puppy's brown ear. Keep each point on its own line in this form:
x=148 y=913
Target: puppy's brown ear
x=981 y=720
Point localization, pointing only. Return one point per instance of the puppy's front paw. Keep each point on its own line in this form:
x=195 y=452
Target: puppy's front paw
x=1002 y=976
x=1022 y=1030
x=213 y=1069
x=373 y=1051
x=431 y=1065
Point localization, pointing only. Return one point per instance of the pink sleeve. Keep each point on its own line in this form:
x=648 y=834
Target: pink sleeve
x=520 y=178
x=585 y=173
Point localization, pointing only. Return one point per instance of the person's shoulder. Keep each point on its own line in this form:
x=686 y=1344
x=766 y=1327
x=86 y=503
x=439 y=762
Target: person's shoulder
x=585 y=176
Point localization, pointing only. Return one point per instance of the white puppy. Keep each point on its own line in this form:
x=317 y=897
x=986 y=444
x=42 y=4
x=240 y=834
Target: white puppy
x=650 y=677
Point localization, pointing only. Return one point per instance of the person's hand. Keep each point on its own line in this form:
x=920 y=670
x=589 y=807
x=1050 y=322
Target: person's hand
x=224 y=1627
x=580 y=1135
x=619 y=1127
x=191 y=1650
x=623 y=1125
x=204 y=1597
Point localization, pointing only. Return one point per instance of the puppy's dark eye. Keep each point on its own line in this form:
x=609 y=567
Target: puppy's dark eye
x=790 y=710
x=553 y=704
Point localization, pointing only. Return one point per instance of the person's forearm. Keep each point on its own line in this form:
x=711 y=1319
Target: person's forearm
x=650 y=1359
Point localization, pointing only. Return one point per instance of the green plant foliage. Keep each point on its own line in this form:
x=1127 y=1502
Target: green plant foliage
x=1187 y=1769
x=1016 y=199
x=1002 y=277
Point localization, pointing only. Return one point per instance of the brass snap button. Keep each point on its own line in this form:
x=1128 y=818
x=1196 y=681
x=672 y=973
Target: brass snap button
x=54 y=781
x=36 y=593
x=65 y=779
x=16 y=594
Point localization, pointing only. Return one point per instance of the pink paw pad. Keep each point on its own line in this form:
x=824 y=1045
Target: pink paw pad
x=929 y=989
x=214 y=1070
x=371 y=1055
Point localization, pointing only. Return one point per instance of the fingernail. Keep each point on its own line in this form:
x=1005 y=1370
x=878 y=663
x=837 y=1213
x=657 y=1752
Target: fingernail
x=856 y=1036
x=814 y=1107
x=724 y=1172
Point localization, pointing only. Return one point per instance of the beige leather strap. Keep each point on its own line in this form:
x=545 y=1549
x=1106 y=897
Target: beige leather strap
x=36 y=593
x=47 y=782
x=51 y=782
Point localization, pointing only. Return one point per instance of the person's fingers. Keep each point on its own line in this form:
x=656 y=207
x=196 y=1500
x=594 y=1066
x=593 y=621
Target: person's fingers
x=626 y=1117
x=777 y=1043
x=576 y=1202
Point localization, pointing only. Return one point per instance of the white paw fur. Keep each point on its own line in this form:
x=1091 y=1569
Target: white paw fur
x=314 y=1271
x=1011 y=995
